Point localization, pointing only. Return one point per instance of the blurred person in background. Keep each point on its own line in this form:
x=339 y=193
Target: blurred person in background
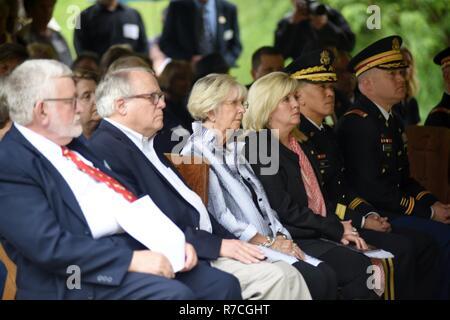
x=107 y=23
x=196 y=28
x=408 y=108
x=265 y=60
x=440 y=114
x=312 y=25
x=41 y=12
x=85 y=85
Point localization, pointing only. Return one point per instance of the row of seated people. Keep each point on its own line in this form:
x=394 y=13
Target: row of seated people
x=292 y=208
x=177 y=77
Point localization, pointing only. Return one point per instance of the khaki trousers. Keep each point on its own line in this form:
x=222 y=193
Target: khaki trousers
x=266 y=281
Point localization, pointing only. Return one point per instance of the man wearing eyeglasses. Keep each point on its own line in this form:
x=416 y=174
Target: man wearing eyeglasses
x=60 y=207
x=85 y=83
x=131 y=104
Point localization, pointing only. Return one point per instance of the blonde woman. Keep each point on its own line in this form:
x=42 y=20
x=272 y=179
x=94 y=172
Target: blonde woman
x=408 y=108
x=236 y=197
x=294 y=190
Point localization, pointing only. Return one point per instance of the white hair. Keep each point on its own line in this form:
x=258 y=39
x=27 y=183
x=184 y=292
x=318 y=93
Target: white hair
x=3 y=103
x=113 y=86
x=364 y=76
x=30 y=82
x=209 y=92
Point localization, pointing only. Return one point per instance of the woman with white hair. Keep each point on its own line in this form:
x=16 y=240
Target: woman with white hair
x=293 y=190
x=236 y=197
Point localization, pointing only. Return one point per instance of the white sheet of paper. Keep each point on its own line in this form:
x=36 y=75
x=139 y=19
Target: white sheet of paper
x=375 y=253
x=273 y=255
x=146 y=223
x=312 y=261
x=379 y=253
x=131 y=31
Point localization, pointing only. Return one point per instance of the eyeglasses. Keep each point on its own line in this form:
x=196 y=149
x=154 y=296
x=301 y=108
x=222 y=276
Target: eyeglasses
x=153 y=97
x=236 y=103
x=72 y=101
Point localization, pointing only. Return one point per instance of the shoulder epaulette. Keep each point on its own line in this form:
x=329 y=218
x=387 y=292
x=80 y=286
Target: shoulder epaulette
x=444 y=110
x=358 y=112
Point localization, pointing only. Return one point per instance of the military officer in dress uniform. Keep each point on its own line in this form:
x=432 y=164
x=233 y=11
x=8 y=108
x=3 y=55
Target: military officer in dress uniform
x=373 y=143
x=440 y=115
x=415 y=253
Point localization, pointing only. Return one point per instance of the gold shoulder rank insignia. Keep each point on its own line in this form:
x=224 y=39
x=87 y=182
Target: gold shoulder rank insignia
x=358 y=112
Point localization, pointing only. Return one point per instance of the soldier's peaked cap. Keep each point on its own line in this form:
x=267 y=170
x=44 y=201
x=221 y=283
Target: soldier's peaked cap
x=443 y=58
x=313 y=66
x=384 y=54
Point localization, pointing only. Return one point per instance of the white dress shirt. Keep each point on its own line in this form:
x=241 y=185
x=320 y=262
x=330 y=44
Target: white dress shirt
x=314 y=124
x=97 y=201
x=146 y=146
x=385 y=114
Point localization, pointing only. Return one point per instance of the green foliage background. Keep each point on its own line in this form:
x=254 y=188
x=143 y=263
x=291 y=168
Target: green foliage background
x=423 y=24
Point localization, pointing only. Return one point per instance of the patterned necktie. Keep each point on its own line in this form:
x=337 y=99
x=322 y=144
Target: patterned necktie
x=205 y=37
x=98 y=175
x=315 y=198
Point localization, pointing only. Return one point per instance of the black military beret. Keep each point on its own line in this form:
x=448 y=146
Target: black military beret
x=384 y=54
x=314 y=66
x=443 y=58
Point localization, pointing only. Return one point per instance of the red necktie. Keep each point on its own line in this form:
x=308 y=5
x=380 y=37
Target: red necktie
x=315 y=198
x=98 y=175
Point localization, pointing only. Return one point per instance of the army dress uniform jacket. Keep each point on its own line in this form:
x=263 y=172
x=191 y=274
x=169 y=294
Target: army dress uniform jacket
x=348 y=205
x=376 y=160
x=440 y=115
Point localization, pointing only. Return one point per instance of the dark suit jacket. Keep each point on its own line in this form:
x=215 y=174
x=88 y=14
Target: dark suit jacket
x=180 y=36
x=376 y=160
x=287 y=196
x=44 y=230
x=101 y=28
x=125 y=158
